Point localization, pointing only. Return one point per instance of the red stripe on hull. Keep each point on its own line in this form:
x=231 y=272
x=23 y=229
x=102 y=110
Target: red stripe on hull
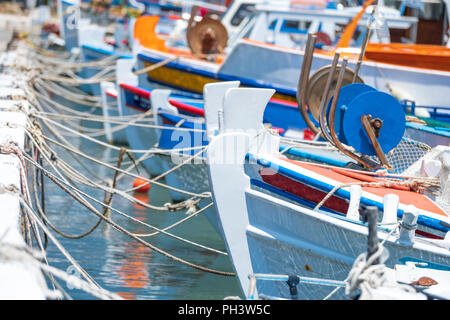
x=311 y=194
x=138 y=91
x=187 y=108
x=112 y=95
x=303 y=191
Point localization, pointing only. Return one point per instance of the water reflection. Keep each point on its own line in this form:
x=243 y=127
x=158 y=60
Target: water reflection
x=143 y=197
x=133 y=271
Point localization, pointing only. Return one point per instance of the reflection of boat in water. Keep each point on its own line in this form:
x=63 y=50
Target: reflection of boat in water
x=136 y=272
x=133 y=271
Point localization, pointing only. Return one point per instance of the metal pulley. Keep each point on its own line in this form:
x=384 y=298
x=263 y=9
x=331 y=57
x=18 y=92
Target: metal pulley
x=208 y=36
x=358 y=119
x=362 y=121
x=316 y=83
x=310 y=89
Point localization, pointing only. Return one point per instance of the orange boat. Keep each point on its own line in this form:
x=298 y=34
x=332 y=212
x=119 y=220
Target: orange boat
x=411 y=55
x=425 y=56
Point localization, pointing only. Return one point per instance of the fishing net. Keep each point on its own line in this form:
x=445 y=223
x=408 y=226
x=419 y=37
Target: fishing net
x=407 y=152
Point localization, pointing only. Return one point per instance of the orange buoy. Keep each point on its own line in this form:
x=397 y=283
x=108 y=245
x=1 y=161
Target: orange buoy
x=141 y=185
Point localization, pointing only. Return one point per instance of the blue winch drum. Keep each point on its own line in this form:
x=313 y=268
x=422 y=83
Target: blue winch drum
x=346 y=96
x=379 y=105
x=356 y=100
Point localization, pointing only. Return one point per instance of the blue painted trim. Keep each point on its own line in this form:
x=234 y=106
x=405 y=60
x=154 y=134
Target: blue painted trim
x=429 y=265
x=130 y=100
x=184 y=94
x=305 y=155
x=187 y=139
x=421 y=127
x=164 y=6
x=195 y=95
x=174 y=94
x=106 y=52
x=218 y=76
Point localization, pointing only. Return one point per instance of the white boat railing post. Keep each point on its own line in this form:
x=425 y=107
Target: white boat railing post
x=408 y=225
x=390 y=207
x=430 y=168
x=353 y=207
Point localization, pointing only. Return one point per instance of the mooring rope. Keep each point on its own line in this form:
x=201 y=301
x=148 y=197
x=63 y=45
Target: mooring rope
x=171 y=208
x=65 y=175
x=129 y=173
x=97 y=78
x=410 y=183
x=65 y=187
x=35 y=217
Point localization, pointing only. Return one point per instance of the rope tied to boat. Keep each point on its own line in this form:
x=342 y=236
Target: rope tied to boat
x=9 y=189
x=367 y=275
x=31 y=258
x=12 y=148
x=133 y=236
x=416 y=185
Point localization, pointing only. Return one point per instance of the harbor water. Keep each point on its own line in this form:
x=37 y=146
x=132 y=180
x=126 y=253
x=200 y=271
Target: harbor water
x=117 y=262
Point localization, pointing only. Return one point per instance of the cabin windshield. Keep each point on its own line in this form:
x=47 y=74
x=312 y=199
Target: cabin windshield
x=244 y=10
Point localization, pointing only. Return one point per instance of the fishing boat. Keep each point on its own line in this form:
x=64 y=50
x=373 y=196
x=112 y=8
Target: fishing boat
x=94 y=43
x=114 y=40
x=233 y=64
x=247 y=61
x=369 y=278
x=183 y=127
x=278 y=221
x=135 y=101
x=307 y=219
